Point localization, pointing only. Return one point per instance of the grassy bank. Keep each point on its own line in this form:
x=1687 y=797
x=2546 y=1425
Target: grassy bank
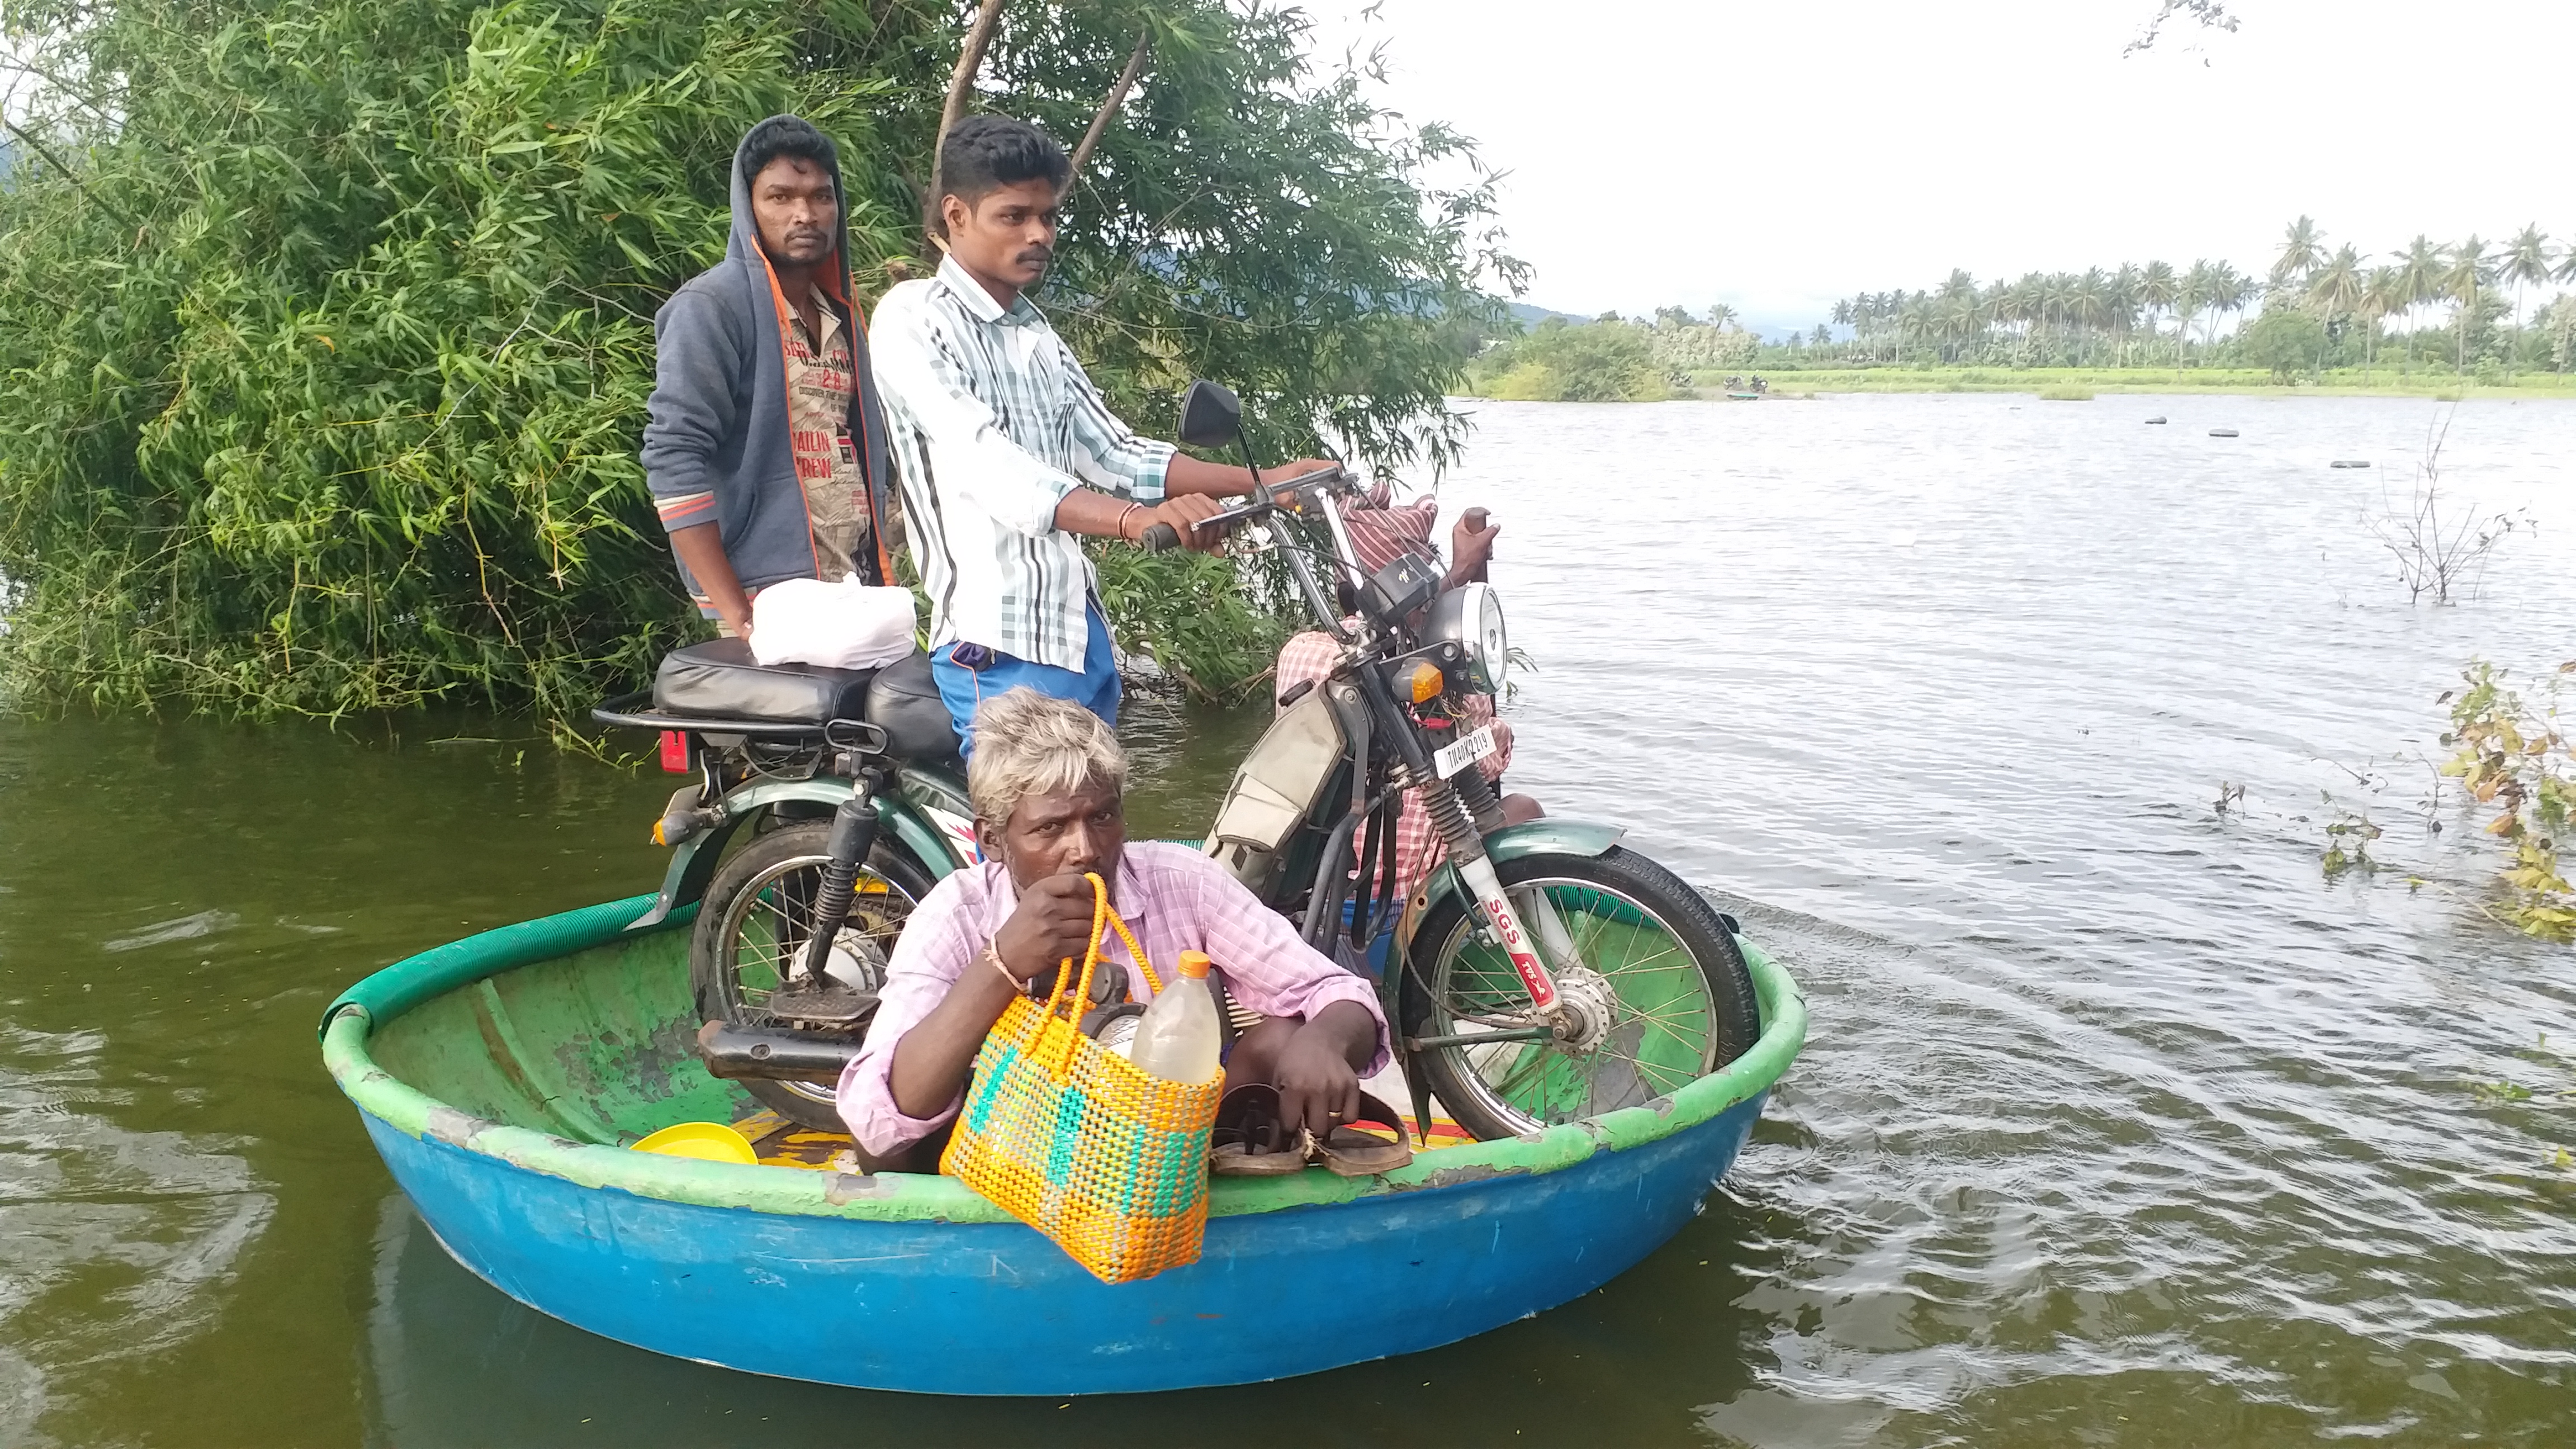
x=2335 y=382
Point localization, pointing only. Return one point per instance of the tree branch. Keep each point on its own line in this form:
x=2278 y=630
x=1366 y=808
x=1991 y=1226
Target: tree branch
x=1109 y=107
x=979 y=38
x=68 y=174
x=2211 y=14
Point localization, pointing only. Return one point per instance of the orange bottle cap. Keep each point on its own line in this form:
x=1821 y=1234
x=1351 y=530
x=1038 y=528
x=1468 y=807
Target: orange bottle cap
x=1194 y=964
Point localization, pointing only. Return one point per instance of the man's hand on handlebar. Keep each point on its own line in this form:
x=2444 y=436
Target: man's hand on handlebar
x=1299 y=469
x=1184 y=514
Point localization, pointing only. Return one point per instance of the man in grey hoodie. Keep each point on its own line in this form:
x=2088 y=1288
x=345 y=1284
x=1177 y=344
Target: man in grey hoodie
x=764 y=447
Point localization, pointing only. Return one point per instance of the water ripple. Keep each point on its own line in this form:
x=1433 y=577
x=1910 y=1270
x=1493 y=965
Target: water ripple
x=2149 y=1104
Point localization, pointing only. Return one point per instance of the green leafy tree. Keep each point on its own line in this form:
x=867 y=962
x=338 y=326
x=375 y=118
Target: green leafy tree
x=2558 y=327
x=1560 y=361
x=2285 y=339
x=324 y=340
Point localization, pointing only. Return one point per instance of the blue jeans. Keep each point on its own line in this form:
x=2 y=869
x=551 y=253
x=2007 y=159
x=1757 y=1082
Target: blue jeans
x=983 y=673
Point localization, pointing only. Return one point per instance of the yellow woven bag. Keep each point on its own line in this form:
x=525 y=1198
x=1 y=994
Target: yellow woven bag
x=1108 y=1161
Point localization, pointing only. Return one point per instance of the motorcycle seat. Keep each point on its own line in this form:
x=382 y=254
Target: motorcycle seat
x=904 y=701
x=719 y=680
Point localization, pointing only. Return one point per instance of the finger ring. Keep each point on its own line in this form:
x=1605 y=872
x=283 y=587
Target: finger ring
x=1336 y=1116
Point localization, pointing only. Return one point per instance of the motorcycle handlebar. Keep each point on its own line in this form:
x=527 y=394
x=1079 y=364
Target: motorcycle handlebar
x=1162 y=537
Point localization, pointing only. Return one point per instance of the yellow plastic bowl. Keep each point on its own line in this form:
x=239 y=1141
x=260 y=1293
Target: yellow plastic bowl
x=706 y=1141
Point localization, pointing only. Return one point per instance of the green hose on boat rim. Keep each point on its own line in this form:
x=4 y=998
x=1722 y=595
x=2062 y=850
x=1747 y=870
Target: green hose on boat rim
x=905 y=1197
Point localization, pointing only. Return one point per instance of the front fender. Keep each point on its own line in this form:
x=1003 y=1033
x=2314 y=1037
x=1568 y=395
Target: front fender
x=693 y=861
x=1548 y=835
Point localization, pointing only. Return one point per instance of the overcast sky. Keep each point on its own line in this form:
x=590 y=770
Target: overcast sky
x=1777 y=156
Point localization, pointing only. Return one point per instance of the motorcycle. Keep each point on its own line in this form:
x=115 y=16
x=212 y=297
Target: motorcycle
x=846 y=790
x=1543 y=972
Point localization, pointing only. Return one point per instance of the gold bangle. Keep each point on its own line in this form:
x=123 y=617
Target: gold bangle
x=1122 y=522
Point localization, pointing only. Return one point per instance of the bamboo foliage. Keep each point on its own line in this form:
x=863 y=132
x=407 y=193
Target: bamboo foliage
x=324 y=346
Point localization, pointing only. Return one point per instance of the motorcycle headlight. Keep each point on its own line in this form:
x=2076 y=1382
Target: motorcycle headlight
x=1470 y=617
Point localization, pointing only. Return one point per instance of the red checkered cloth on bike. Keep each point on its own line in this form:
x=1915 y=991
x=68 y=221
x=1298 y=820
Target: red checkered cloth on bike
x=1381 y=532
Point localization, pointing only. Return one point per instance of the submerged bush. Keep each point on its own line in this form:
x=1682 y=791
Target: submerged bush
x=2516 y=758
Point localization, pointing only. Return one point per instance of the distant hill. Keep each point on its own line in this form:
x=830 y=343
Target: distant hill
x=1529 y=316
x=1766 y=328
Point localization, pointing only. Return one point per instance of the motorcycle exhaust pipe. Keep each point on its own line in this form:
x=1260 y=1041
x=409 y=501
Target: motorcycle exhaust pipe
x=769 y=1054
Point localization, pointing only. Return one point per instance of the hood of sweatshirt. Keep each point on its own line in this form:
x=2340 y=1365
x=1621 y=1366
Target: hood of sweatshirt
x=743 y=244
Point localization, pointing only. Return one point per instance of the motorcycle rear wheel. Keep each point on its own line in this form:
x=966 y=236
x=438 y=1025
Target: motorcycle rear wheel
x=755 y=923
x=1652 y=952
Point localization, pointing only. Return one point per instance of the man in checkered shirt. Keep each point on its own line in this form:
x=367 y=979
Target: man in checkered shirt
x=1005 y=450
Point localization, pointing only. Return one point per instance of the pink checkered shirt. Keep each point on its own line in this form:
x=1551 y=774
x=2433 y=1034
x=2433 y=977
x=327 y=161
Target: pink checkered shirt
x=1174 y=898
x=1312 y=656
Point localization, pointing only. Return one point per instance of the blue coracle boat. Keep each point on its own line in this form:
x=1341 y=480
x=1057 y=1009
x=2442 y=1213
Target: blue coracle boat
x=501 y=1077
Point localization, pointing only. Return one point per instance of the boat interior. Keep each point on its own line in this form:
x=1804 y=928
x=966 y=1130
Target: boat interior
x=600 y=1046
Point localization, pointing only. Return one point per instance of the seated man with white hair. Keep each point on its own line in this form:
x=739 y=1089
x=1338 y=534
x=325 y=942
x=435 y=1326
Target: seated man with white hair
x=1048 y=783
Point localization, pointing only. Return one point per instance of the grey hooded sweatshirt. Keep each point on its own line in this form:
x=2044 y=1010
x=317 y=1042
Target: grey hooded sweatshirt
x=716 y=446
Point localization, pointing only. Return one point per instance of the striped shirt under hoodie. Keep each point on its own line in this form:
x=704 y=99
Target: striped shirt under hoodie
x=991 y=422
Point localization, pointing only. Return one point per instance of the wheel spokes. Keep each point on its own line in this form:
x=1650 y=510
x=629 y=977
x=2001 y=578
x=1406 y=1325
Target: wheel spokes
x=1663 y=1021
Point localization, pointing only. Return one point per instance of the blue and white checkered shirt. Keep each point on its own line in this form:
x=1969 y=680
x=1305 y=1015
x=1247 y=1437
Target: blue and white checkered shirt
x=992 y=422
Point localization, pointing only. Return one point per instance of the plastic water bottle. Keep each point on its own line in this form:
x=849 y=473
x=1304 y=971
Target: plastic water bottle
x=1178 y=1038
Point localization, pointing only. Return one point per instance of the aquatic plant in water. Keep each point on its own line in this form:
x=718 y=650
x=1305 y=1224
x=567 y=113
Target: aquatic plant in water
x=2348 y=838
x=2442 y=556
x=2517 y=758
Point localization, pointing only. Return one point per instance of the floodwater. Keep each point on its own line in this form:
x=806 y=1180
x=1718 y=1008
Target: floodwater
x=2120 y=1123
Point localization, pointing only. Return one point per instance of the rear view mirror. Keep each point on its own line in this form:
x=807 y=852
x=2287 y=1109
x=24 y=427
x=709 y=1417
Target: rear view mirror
x=1211 y=415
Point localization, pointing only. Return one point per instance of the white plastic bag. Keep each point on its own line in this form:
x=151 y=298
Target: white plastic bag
x=847 y=625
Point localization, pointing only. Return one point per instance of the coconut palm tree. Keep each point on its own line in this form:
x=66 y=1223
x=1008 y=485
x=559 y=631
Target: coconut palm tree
x=2383 y=291
x=2199 y=289
x=2235 y=291
x=2022 y=304
x=2091 y=307
x=1721 y=315
x=2122 y=298
x=2158 y=290
x=2302 y=251
x=2525 y=261
x=2419 y=272
x=2335 y=291
x=2471 y=270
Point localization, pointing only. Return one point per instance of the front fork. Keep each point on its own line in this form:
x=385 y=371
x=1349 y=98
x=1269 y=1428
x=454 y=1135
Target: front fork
x=1544 y=930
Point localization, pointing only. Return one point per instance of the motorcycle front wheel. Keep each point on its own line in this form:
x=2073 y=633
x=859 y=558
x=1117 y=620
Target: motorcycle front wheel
x=752 y=931
x=1658 y=975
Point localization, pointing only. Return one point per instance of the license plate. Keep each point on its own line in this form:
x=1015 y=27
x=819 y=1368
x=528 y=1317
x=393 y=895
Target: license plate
x=1449 y=759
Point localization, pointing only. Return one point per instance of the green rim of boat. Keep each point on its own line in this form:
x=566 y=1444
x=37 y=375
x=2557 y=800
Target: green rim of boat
x=350 y=1021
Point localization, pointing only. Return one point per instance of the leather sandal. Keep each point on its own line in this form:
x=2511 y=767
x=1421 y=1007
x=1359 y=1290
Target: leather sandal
x=1249 y=1140
x=1375 y=1143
